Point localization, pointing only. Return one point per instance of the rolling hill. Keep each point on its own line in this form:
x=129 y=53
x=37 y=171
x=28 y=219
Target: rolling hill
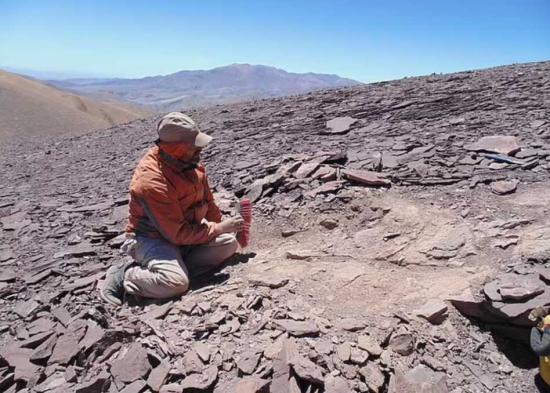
x=31 y=109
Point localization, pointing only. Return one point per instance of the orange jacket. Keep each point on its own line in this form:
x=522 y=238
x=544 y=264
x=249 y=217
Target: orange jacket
x=168 y=202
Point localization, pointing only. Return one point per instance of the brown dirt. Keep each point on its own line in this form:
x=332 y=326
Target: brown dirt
x=31 y=109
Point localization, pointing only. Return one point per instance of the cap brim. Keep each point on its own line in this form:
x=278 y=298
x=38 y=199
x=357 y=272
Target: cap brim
x=202 y=140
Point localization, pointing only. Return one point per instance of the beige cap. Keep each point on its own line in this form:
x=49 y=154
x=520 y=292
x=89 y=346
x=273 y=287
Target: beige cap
x=178 y=127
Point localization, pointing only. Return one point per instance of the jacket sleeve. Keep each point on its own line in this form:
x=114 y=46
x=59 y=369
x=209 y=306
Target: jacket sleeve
x=213 y=214
x=162 y=208
x=540 y=341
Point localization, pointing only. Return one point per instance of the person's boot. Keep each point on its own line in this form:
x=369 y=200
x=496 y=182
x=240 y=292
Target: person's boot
x=112 y=289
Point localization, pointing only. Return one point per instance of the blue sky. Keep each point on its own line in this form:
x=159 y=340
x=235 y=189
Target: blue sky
x=364 y=40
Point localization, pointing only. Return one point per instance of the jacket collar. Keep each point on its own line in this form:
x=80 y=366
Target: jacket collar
x=174 y=163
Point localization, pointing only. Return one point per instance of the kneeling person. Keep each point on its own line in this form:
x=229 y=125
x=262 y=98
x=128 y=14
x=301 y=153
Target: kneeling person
x=175 y=229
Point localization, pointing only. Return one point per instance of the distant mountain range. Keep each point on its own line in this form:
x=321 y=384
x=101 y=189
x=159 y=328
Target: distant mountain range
x=185 y=89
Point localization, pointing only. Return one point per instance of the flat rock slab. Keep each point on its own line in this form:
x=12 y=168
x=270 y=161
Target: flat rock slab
x=36 y=278
x=192 y=363
x=200 y=382
x=66 y=348
x=374 y=378
x=269 y=281
x=336 y=385
x=62 y=315
x=251 y=385
x=7 y=275
x=281 y=379
x=44 y=350
x=545 y=275
x=434 y=311
x=248 y=361
x=328 y=187
x=37 y=338
x=301 y=255
x=78 y=250
x=504 y=187
x=514 y=287
x=134 y=387
x=53 y=383
x=158 y=311
x=96 y=384
x=89 y=208
x=370 y=345
x=297 y=328
x=306 y=369
x=496 y=144
x=158 y=376
x=24 y=309
x=19 y=358
x=402 y=344
x=202 y=351
x=6 y=254
x=340 y=125
x=306 y=169
x=94 y=333
x=519 y=293
x=343 y=351
x=420 y=379
x=133 y=365
x=15 y=222
x=366 y=178
x=350 y=324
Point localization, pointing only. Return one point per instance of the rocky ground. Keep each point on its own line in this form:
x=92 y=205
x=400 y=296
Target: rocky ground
x=381 y=211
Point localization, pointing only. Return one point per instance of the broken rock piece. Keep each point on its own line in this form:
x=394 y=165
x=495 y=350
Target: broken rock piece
x=66 y=348
x=158 y=376
x=200 y=382
x=520 y=292
x=350 y=324
x=248 y=361
x=270 y=281
x=434 y=311
x=419 y=379
x=366 y=178
x=402 y=344
x=340 y=125
x=252 y=385
x=306 y=369
x=96 y=384
x=297 y=328
x=504 y=187
x=370 y=345
x=496 y=144
x=19 y=359
x=373 y=377
x=336 y=385
x=133 y=365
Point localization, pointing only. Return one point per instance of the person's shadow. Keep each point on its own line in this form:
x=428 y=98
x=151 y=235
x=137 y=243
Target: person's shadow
x=220 y=275
x=541 y=385
x=513 y=342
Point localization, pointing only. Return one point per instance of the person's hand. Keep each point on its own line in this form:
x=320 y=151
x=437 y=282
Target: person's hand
x=230 y=225
x=538 y=313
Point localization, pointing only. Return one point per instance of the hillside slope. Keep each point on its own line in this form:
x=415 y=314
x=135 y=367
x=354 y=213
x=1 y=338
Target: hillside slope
x=185 y=89
x=374 y=206
x=30 y=109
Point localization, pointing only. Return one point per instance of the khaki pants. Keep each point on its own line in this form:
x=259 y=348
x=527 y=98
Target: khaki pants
x=163 y=270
